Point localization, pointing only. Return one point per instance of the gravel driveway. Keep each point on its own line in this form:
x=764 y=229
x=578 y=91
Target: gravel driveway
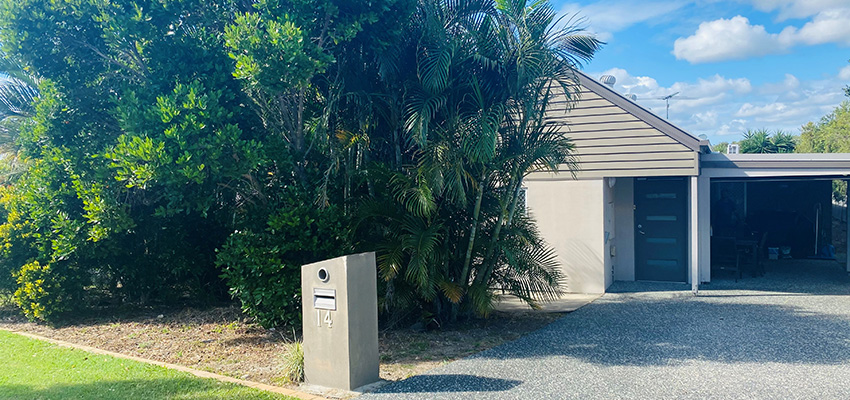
x=782 y=336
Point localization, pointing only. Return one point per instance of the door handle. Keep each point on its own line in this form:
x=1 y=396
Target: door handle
x=642 y=232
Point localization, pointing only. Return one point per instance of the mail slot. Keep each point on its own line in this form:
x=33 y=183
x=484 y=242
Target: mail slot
x=324 y=299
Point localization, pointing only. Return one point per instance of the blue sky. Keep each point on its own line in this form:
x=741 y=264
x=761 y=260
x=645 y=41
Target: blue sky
x=738 y=65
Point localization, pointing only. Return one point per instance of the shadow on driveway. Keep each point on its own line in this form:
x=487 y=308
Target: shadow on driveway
x=661 y=332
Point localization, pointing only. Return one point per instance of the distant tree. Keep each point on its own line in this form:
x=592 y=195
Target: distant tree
x=757 y=141
x=721 y=147
x=829 y=135
x=764 y=142
x=784 y=142
x=847 y=89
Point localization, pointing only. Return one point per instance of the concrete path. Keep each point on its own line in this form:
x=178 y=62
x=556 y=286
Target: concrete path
x=782 y=336
x=568 y=302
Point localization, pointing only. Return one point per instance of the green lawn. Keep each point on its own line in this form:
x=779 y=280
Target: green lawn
x=32 y=369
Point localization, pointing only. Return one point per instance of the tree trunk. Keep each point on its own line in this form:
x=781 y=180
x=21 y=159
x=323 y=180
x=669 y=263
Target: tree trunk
x=489 y=265
x=464 y=274
x=476 y=213
x=397 y=144
x=515 y=201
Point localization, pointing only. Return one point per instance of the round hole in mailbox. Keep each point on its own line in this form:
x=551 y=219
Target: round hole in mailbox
x=324 y=276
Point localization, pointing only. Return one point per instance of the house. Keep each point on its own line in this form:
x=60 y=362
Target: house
x=639 y=206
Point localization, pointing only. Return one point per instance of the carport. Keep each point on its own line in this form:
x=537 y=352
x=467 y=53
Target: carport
x=786 y=196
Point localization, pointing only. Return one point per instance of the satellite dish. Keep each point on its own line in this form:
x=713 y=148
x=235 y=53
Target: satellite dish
x=608 y=80
x=631 y=96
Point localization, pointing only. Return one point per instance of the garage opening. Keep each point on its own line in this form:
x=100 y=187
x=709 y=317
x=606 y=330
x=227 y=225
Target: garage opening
x=787 y=226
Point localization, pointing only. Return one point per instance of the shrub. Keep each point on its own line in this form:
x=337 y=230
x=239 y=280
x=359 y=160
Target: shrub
x=267 y=287
x=42 y=292
x=293 y=363
x=7 y=279
x=263 y=270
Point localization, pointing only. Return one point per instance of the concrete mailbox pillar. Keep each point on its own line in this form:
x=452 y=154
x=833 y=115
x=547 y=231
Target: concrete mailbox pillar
x=340 y=306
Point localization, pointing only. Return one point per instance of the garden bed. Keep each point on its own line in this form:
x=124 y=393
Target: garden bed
x=221 y=340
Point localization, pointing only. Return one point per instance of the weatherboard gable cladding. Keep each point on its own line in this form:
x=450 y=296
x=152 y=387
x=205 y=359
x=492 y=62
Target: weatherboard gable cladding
x=615 y=137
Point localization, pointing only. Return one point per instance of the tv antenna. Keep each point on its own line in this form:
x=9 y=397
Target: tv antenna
x=670 y=96
x=667 y=100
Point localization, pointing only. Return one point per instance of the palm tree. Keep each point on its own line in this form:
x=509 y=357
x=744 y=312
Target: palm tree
x=18 y=92
x=757 y=141
x=762 y=141
x=486 y=72
x=542 y=56
x=784 y=142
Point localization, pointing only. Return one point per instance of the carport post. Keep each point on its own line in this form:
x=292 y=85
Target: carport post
x=694 y=234
x=847 y=208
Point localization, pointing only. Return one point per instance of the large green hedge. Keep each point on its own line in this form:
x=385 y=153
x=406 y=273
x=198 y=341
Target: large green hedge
x=195 y=150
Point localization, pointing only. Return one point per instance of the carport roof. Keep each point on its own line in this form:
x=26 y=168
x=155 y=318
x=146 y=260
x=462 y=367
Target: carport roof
x=835 y=166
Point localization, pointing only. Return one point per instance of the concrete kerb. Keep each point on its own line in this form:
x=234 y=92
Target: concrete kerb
x=198 y=373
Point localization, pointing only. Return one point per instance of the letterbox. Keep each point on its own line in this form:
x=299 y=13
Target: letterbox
x=340 y=321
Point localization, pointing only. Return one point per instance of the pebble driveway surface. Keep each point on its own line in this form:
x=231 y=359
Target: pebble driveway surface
x=782 y=336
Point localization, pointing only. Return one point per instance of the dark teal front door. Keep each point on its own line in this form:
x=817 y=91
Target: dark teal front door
x=661 y=229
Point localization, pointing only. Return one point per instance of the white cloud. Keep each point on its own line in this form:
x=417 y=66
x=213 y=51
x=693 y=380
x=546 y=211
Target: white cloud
x=716 y=84
x=788 y=85
x=726 y=39
x=797 y=8
x=749 y=110
x=844 y=73
x=831 y=26
x=723 y=107
x=705 y=120
x=733 y=127
x=736 y=38
x=691 y=95
x=609 y=16
x=722 y=39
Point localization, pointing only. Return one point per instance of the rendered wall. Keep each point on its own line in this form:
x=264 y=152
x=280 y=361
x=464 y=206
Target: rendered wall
x=571 y=217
